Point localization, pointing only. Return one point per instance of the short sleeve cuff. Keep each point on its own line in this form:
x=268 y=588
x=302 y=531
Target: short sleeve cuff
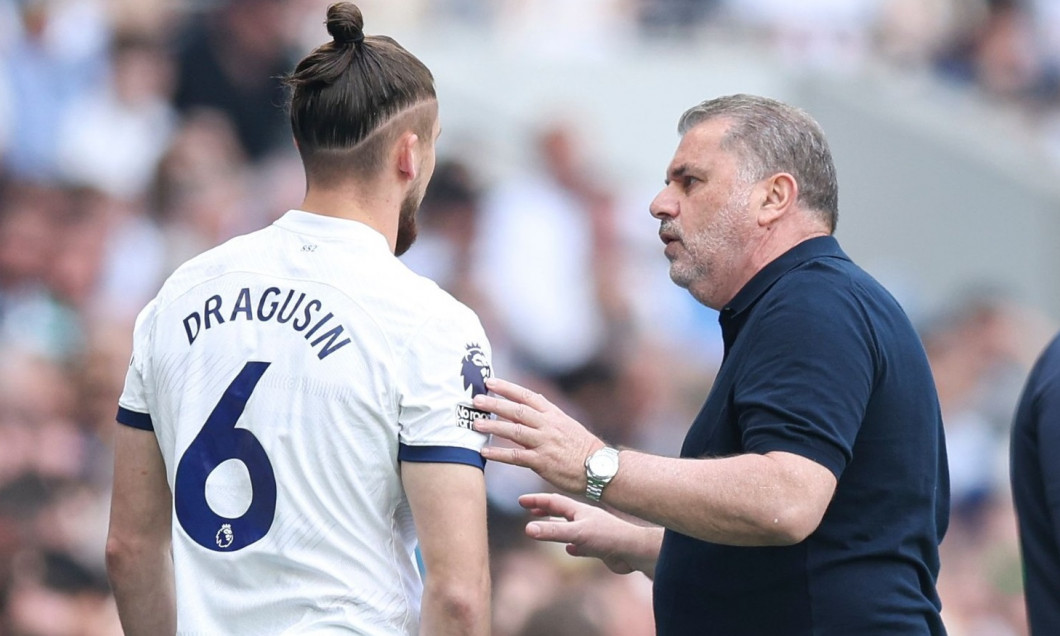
x=141 y=421
x=825 y=455
x=441 y=455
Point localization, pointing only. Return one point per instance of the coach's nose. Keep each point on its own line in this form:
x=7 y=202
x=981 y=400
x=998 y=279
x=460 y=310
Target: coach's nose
x=664 y=205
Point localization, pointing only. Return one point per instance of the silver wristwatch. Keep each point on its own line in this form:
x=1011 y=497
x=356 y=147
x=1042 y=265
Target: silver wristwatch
x=600 y=469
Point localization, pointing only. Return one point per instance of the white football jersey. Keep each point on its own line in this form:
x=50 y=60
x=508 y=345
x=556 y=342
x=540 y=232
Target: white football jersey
x=285 y=374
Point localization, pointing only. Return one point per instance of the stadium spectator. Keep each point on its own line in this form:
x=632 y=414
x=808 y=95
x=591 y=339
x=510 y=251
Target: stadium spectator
x=551 y=297
x=231 y=60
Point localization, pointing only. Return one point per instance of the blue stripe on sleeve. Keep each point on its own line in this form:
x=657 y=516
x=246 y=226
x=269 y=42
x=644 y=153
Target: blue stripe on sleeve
x=440 y=454
x=141 y=421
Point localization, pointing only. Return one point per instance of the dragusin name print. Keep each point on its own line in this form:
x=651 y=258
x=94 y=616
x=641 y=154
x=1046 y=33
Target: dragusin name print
x=288 y=307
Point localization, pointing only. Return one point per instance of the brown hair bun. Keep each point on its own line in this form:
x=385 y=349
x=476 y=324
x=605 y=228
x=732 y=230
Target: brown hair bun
x=345 y=24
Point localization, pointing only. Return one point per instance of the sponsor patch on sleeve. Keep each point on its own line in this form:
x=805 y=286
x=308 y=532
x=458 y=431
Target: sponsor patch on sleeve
x=467 y=414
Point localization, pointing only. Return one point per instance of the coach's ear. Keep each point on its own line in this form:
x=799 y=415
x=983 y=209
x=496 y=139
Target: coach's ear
x=408 y=156
x=776 y=196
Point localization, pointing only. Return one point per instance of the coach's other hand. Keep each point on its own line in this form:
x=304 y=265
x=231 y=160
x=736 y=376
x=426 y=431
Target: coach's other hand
x=590 y=531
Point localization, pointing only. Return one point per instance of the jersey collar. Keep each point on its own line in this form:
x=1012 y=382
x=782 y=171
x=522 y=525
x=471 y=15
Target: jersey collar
x=810 y=249
x=312 y=224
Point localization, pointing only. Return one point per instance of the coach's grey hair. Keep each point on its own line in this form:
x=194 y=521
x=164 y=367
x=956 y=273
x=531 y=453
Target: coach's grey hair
x=771 y=137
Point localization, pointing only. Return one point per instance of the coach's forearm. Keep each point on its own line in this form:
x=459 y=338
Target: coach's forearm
x=749 y=500
x=142 y=578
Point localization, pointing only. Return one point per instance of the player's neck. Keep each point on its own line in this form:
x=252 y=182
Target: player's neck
x=374 y=208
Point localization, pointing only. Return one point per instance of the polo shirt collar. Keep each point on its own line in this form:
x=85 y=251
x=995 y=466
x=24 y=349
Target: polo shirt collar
x=810 y=249
x=312 y=224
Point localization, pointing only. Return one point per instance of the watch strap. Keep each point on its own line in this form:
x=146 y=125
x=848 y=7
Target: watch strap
x=595 y=484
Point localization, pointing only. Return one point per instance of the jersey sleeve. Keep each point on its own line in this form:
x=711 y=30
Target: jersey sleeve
x=445 y=365
x=132 y=405
x=807 y=388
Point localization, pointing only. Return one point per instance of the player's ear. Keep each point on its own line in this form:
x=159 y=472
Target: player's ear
x=777 y=195
x=408 y=155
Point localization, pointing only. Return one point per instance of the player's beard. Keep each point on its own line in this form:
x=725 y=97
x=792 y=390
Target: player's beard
x=407 y=230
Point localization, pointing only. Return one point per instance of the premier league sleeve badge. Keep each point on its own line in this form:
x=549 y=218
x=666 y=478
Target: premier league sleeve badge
x=474 y=370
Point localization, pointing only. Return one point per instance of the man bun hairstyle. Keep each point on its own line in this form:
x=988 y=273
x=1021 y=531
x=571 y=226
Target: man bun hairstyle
x=771 y=137
x=349 y=98
x=345 y=24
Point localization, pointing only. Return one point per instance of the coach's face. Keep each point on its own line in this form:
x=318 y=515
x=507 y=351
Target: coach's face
x=706 y=223
x=407 y=229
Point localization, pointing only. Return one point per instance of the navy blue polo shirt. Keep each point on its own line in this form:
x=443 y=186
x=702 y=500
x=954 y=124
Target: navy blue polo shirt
x=820 y=361
x=1036 y=489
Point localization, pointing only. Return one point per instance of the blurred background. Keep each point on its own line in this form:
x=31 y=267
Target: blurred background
x=136 y=133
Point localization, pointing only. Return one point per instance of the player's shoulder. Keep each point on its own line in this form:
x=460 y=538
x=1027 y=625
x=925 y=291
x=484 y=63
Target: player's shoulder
x=423 y=297
x=213 y=262
x=236 y=247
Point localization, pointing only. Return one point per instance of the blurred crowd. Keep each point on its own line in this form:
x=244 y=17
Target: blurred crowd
x=137 y=133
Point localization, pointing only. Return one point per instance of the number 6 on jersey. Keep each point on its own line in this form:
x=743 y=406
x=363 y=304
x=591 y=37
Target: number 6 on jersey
x=217 y=442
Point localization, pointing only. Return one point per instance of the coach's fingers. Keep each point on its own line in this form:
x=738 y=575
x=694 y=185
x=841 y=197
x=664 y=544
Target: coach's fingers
x=555 y=531
x=506 y=409
x=511 y=431
x=518 y=393
x=550 y=505
x=507 y=455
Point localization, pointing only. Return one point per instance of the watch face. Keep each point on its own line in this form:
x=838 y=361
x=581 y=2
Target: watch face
x=603 y=464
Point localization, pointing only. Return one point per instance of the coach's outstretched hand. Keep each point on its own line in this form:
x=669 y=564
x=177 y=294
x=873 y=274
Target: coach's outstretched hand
x=555 y=446
x=590 y=531
x=551 y=443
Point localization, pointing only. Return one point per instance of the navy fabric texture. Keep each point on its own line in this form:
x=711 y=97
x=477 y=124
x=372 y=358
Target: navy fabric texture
x=141 y=421
x=1035 y=468
x=440 y=454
